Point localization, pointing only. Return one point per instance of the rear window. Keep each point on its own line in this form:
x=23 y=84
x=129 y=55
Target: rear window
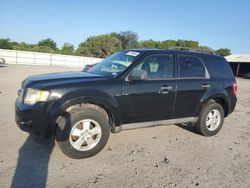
x=190 y=66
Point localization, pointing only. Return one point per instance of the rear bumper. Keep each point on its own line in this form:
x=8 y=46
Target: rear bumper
x=31 y=119
x=233 y=104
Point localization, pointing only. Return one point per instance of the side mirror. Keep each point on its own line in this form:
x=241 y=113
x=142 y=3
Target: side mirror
x=138 y=75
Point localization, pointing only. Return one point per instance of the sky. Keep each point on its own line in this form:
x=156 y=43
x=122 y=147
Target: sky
x=214 y=23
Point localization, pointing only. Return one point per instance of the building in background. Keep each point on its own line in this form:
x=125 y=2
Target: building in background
x=240 y=63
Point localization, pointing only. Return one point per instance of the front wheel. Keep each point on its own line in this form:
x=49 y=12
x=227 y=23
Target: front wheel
x=83 y=133
x=211 y=119
x=2 y=61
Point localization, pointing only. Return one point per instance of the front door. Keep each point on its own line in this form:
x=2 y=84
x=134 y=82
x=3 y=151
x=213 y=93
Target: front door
x=151 y=99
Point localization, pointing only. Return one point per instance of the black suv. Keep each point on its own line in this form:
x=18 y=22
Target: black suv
x=130 y=89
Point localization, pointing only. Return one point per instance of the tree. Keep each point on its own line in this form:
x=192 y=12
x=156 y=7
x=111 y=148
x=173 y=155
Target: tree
x=223 y=51
x=5 y=43
x=49 y=43
x=67 y=49
x=149 y=44
x=99 y=46
x=105 y=45
x=23 y=46
x=167 y=43
x=44 y=49
x=187 y=43
x=128 y=39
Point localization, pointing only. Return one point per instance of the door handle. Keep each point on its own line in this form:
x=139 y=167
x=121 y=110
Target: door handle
x=165 y=89
x=205 y=86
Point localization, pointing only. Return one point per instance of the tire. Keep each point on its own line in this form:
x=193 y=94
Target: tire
x=208 y=124
x=88 y=121
x=2 y=61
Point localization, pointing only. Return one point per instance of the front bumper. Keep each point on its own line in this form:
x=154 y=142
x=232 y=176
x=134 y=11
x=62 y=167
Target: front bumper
x=31 y=118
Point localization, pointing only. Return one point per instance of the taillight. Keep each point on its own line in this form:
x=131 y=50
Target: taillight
x=234 y=88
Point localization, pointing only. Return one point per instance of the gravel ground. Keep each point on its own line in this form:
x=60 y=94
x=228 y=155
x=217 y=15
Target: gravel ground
x=166 y=156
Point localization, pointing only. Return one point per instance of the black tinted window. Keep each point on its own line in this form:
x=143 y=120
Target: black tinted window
x=191 y=67
x=157 y=66
x=218 y=67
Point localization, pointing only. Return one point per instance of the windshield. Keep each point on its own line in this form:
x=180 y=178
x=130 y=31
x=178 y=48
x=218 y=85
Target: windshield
x=114 y=64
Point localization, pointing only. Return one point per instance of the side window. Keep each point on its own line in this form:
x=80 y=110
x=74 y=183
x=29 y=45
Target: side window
x=157 y=66
x=190 y=66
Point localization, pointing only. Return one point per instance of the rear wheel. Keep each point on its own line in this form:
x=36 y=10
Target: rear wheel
x=83 y=133
x=211 y=119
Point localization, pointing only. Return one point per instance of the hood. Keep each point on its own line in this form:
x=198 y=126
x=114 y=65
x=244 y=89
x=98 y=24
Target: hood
x=63 y=78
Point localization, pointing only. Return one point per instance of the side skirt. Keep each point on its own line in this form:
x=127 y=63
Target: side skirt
x=154 y=123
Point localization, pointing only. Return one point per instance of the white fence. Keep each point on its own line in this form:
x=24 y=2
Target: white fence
x=37 y=58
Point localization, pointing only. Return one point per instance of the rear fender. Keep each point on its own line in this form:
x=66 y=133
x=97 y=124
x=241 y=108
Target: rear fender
x=212 y=94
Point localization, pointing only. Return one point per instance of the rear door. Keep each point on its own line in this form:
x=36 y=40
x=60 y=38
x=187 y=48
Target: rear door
x=151 y=99
x=192 y=82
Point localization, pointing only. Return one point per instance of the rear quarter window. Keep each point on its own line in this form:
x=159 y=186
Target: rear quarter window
x=218 y=67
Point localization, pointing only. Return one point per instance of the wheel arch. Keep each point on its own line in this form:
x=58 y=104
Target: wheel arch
x=218 y=97
x=58 y=109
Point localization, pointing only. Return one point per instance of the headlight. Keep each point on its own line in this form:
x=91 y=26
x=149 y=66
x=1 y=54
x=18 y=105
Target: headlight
x=34 y=95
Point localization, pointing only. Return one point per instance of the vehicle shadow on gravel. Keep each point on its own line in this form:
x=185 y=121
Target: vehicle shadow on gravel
x=32 y=164
x=188 y=127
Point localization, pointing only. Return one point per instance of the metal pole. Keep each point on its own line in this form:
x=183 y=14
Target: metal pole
x=238 y=69
x=16 y=56
x=50 y=59
x=34 y=57
x=64 y=61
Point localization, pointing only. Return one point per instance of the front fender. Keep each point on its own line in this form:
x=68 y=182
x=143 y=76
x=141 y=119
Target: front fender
x=97 y=97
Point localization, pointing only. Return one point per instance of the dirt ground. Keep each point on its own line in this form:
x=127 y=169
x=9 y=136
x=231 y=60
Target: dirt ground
x=166 y=156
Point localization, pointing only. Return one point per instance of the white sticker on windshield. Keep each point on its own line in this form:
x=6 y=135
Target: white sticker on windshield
x=131 y=53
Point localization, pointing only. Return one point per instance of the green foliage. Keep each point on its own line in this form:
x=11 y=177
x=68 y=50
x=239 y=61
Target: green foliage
x=128 y=39
x=34 y=48
x=67 y=49
x=48 y=43
x=23 y=46
x=205 y=48
x=168 y=43
x=223 y=51
x=99 y=46
x=149 y=44
x=5 y=43
x=104 y=45
x=187 y=43
x=45 y=49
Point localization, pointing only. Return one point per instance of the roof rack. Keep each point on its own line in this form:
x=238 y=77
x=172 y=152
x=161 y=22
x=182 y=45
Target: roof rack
x=180 y=48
